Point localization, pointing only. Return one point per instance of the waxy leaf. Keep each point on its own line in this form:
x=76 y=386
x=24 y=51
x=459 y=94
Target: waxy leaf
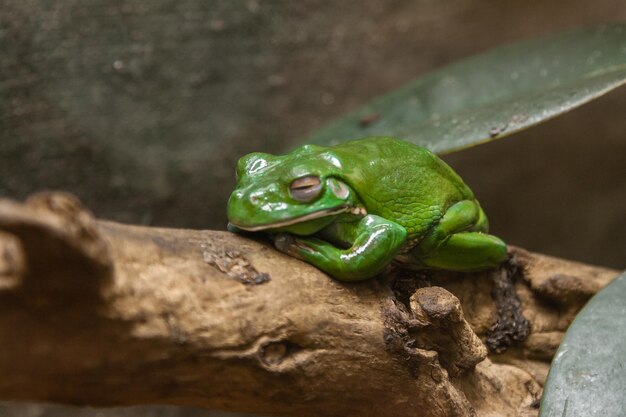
x=588 y=373
x=494 y=94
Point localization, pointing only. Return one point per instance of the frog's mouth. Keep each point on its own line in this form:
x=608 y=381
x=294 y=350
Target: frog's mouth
x=300 y=219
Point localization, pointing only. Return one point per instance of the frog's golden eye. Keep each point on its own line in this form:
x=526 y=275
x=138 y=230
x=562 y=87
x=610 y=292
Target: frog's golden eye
x=305 y=189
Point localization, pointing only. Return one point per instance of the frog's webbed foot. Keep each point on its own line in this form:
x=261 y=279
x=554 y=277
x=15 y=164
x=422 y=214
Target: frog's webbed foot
x=375 y=242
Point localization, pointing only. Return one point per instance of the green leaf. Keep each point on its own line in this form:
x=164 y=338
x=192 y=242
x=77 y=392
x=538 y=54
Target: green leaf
x=588 y=373
x=492 y=95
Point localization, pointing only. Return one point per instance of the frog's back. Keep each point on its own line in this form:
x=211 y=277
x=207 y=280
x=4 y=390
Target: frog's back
x=401 y=181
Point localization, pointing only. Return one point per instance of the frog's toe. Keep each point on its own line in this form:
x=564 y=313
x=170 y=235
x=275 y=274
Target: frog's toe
x=283 y=241
x=232 y=228
x=287 y=243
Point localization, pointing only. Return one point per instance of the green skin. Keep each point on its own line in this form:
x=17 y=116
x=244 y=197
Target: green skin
x=377 y=200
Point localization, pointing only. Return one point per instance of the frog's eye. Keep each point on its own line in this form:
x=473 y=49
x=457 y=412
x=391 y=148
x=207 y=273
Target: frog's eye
x=305 y=189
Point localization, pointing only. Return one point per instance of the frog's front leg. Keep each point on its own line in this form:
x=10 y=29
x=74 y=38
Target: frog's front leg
x=374 y=243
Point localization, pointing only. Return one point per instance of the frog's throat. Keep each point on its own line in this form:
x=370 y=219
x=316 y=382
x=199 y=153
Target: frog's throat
x=296 y=220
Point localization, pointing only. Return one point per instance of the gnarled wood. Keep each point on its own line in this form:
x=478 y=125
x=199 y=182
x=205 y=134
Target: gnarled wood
x=107 y=314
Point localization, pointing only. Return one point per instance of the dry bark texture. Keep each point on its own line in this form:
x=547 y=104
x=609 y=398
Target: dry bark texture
x=107 y=314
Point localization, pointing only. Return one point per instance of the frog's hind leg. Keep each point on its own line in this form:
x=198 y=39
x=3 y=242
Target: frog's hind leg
x=467 y=251
x=482 y=224
x=460 y=241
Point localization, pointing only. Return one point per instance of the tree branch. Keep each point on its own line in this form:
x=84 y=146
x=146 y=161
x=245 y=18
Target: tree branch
x=106 y=314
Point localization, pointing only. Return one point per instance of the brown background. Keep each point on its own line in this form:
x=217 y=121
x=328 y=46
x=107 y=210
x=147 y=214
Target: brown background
x=141 y=107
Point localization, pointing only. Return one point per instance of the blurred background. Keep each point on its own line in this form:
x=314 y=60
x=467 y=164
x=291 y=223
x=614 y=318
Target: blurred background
x=142 y=108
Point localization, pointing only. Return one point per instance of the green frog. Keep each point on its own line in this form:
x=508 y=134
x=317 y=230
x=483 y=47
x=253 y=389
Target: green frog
x=353 y=209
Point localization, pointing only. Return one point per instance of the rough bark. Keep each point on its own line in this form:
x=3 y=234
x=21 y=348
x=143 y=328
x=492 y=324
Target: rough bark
x=106 y=314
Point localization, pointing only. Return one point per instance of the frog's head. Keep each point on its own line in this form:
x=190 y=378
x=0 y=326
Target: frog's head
x=300 y=192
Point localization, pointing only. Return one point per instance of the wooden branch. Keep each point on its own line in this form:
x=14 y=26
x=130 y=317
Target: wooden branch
x=107 y=314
